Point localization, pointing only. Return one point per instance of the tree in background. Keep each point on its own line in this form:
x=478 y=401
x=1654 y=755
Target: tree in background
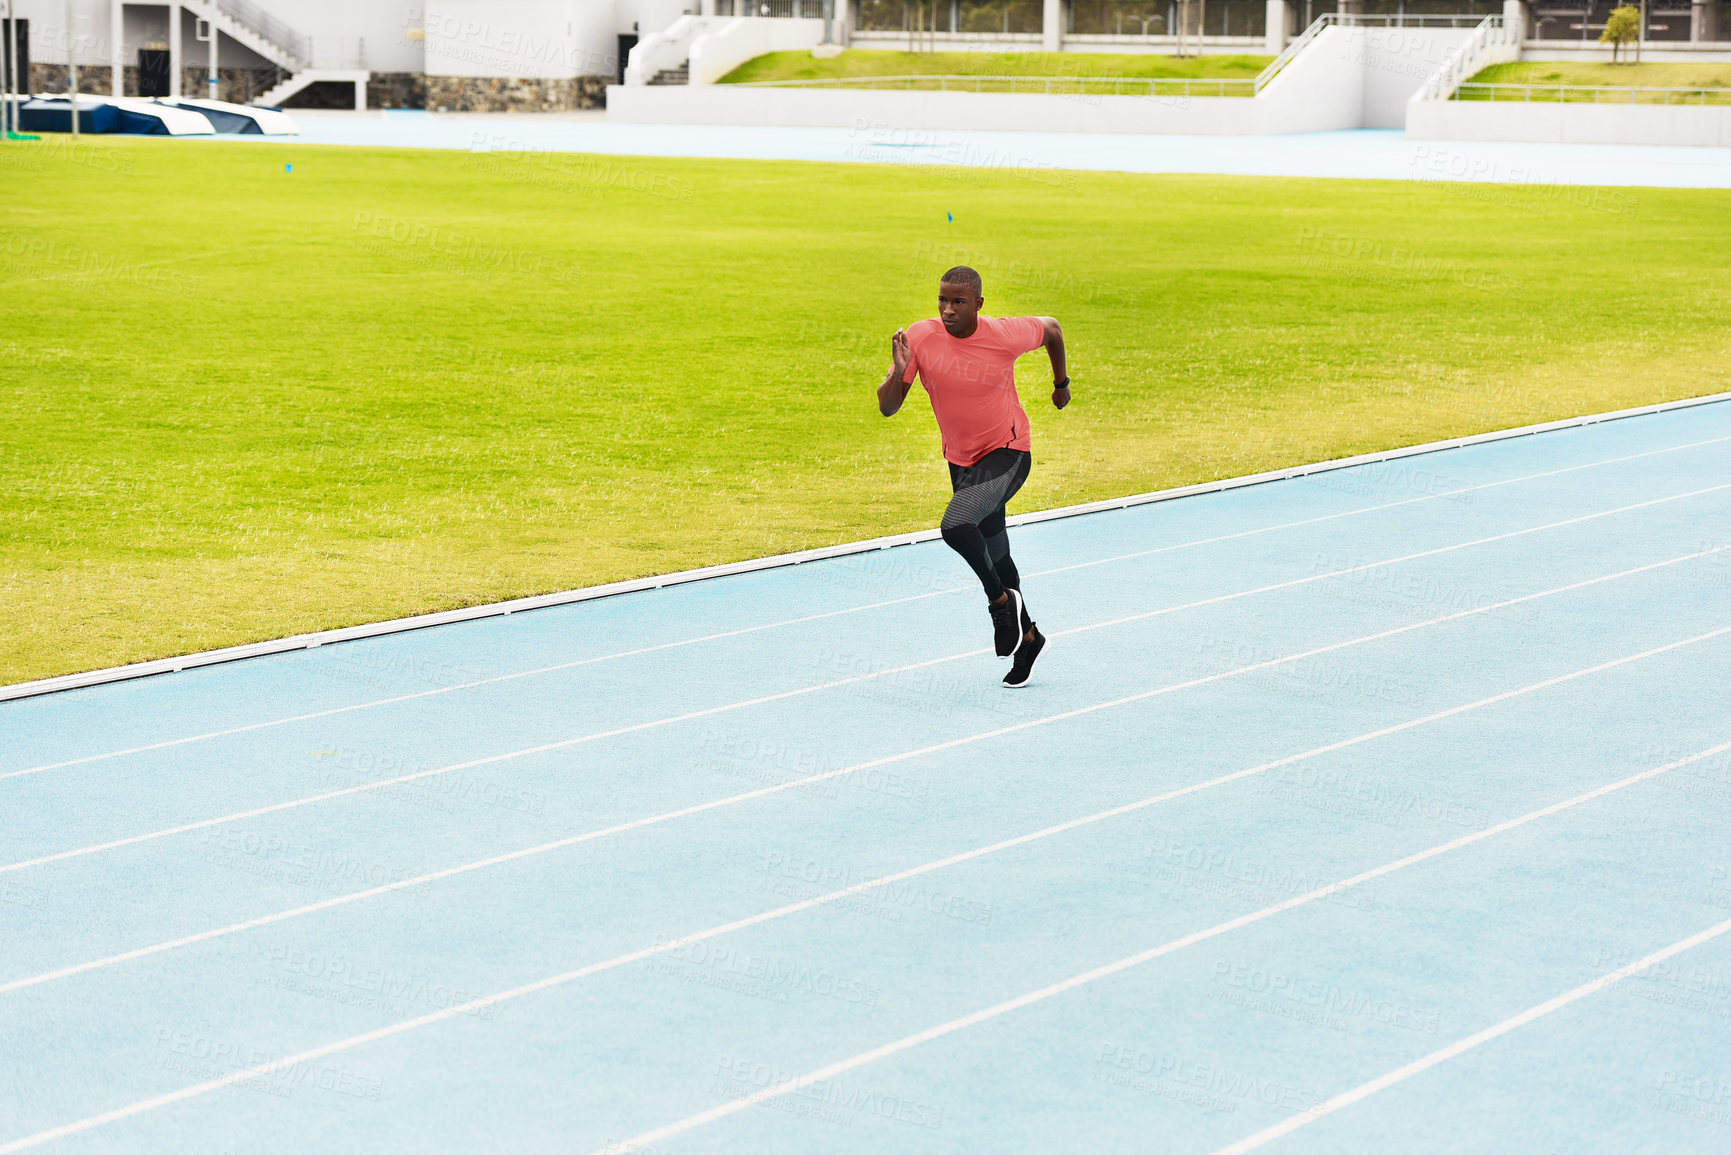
x=1623 y=27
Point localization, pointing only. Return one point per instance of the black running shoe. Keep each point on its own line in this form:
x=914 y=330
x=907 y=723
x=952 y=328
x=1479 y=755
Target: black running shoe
x=1007 y=622
x=1023 y=666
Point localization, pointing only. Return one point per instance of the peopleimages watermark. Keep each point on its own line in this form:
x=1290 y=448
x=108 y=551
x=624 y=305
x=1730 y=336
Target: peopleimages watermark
x=930 y=257
x=585 y=174
x=429 y=243
x=389 y=671
x=959 y=157
x=800 y=876
x=340 y=979
x=64 y=148
x=448 y=791
x=1320 y=1003
x=1204 y=1083
x=295 y=863
x=49 y=259
x=457 y=35
x=207 y=1057
x=15 y=894
x=1411 y=52
x=1316 y=676
x=1717 y=891
x=872 y=678
x=1226 y=871
x=761 y=976
x=1704 y=1098
x=1352 y=793
x=828 y=1101
x=1367 y=580
x=1362 y=256
x=746 y=756
x=1383 y=478
x=1676 y=982
x=1515 y=186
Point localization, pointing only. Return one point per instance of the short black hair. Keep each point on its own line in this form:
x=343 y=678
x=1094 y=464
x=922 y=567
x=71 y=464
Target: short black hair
x=963 y=275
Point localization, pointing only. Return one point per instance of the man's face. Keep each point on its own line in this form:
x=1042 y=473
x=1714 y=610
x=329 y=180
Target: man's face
x=958 y=308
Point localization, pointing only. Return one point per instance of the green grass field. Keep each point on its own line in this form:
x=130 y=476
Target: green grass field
x=1550 y=72
x=862 y=63
x=241 y=403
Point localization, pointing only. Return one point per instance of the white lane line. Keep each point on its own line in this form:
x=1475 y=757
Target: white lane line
x=528 y=852
x=829 y=614
x=907 y=1042
x=735 y=1105
x=1366 y=1090
x=465 y=685
x=713 y=710
x=1379 y=508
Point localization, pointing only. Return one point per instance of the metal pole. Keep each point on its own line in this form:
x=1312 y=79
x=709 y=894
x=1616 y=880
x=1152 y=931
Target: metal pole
x=175 y=63
x=71 y=69
x=213 y=39
x=8 y=113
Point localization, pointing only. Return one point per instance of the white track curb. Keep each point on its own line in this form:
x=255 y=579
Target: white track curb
x=569 y=597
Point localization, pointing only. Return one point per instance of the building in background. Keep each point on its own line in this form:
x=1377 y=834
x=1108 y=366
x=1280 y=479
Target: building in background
x=548 y=55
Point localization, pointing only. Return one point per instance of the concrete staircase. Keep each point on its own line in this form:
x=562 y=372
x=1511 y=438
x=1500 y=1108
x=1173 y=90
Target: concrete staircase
x=262 y=32
x=680 y=75
x=306 y=59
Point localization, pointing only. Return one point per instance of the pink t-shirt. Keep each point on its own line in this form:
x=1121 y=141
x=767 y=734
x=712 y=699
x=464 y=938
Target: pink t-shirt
x=972 y=382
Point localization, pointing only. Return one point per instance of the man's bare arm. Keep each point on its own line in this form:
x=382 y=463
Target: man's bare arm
x=1054 y=345
x=894 y=390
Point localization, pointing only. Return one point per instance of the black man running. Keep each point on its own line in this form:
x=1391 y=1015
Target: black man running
x=967 y=364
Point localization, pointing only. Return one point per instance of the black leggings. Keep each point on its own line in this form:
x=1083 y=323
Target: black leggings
x=973 y=524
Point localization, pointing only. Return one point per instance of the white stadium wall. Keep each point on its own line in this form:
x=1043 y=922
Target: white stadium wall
x=1395 y=63
x=716 y=53
x=875 y=115
x=1347 y=78
x=469 y=54
x=1708 y=127
x=548 y=55
x=528 y=55
x=385 y=26
x=643 y=17
x=48 y=29
x=529 y=39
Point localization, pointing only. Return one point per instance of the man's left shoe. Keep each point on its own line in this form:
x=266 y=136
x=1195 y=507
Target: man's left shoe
x=1006 y=622
x=1023 y=666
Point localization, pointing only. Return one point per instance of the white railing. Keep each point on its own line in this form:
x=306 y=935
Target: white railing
x=782 y=9
x=267 y=27
x=1048 y=85
x=1299 y=44
x=1359 y=20
x=1492 y=42
x=296 y=52
x=1592 y=94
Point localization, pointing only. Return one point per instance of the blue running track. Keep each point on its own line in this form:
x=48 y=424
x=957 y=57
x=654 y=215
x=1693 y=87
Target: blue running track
x=1381 y=810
